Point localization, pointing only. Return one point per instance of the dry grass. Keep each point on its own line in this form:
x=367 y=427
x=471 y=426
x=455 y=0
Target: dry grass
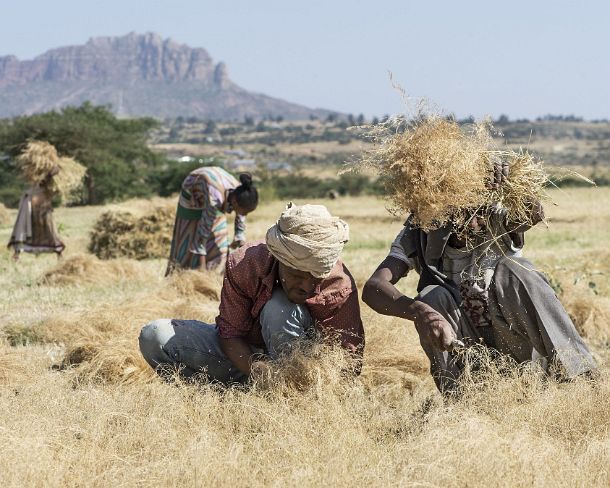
x=102 y=418
x=123 y=234
x=103 y=340
x=435 y=170
x=39 y=159
x=79 y=269
x=69 y=180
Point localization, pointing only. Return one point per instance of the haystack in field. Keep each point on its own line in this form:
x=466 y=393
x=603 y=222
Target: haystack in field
x=435 y=169
x=39 y=159
x=123 y=234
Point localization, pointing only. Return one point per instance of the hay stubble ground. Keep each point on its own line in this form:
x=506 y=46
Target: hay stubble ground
x=102 y=420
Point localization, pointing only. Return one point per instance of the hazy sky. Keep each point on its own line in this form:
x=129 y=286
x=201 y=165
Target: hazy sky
x=522 y=58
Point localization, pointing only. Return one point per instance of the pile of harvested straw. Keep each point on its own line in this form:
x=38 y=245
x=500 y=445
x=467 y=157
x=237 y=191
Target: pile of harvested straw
x=5 y=216
x=37 y=161
x=122 y=234
x=85 y=268
x=435 y=170
x=41 y=165
x=69 y=180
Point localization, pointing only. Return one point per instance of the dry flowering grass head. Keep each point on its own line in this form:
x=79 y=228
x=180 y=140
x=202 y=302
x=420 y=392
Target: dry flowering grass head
x=440 y=172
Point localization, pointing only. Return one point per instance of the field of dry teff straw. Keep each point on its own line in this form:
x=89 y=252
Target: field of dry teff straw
x=80 y=409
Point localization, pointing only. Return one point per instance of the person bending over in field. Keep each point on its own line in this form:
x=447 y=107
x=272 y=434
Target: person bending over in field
x=484 y=292
x=292 y=286
x=200 y=239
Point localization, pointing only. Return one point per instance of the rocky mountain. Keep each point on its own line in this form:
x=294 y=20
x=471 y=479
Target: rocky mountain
x=137 y=74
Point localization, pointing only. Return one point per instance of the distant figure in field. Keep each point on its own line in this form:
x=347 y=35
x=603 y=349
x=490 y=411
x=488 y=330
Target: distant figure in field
x=34 y=229
x=485 y=291
x=200 y=239
x=290 y=287
x=51 y=177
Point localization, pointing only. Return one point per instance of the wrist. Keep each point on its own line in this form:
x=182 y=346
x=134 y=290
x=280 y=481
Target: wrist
x=418 y=308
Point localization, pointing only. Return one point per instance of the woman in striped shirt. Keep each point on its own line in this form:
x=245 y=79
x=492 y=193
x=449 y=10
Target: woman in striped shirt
x=200 y=239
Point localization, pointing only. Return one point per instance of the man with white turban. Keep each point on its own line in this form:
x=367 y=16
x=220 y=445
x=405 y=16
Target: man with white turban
x=291 y=286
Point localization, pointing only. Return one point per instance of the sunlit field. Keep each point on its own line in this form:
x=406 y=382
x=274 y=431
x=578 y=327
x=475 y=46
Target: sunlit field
x=81 y=408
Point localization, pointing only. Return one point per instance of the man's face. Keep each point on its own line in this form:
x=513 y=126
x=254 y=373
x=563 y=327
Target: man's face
x=298 y=285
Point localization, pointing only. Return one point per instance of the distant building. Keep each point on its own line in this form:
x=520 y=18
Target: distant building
x=186 y=159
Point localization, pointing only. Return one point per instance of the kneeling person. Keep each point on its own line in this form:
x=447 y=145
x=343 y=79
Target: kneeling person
x=484 y=292
x=289 y=287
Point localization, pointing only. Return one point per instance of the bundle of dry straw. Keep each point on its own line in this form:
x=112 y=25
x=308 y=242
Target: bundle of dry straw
x=123 y=234
x=41 y=164
x=435 y=169
x=84 y=269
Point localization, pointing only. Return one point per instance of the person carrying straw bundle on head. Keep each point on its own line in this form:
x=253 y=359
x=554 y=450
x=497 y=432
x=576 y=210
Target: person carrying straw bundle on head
x=50 y=177
x=275 y=294
x=464 y=237
x=200 y=238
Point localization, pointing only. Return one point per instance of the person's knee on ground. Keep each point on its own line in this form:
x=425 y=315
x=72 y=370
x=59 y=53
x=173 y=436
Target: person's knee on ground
x=283 y=322
x=153 y=337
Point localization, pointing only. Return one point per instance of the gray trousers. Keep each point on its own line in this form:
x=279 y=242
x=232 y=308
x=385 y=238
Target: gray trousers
x=528 y=323
x=192 y=347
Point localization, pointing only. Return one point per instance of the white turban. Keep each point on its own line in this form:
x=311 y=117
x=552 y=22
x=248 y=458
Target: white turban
x=308 y=238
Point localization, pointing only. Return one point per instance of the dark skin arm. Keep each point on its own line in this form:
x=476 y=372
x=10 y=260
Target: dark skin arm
x=381 y=295
x=239 y=353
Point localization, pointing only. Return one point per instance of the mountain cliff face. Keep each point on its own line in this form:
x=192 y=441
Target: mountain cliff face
x=137 y=74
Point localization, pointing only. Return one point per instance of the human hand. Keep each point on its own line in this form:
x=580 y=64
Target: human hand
x=434 y=329
x=499 y=173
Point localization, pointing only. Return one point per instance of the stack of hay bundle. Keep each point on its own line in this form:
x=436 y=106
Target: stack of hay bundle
x=39 y=159
x=439 y=171
x=125 y=234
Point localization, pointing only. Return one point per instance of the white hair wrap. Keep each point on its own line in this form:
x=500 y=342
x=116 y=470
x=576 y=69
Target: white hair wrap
x=308 y=238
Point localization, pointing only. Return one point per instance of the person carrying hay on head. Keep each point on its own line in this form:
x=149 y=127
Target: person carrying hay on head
x=275 y=293
x=50 y=177
x=200 y=238
x=464 y=237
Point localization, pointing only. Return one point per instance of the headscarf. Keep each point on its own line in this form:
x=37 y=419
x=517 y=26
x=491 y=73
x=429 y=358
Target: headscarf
x=308 y=238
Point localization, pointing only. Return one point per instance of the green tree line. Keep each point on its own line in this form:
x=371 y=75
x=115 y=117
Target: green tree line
x=119 y=162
